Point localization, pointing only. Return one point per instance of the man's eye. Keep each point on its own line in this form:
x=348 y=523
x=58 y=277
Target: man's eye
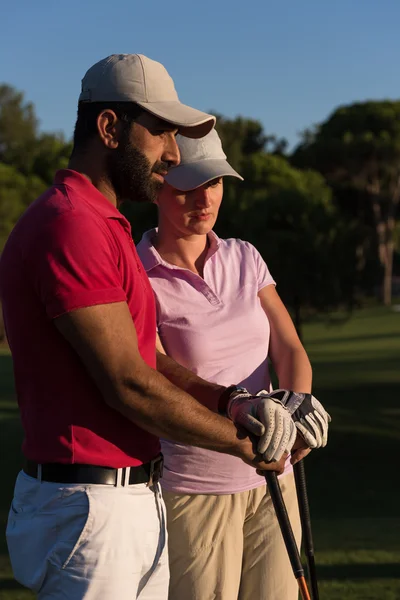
x=157 y=131
x=160 y=131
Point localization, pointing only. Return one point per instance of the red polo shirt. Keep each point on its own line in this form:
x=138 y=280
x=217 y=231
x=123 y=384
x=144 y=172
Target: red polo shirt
x=72 y=248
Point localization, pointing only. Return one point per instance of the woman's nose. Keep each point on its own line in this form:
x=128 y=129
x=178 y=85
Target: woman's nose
x=203 y=196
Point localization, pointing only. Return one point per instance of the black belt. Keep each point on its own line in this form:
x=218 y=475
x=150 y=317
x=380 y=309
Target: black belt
x=148 y=473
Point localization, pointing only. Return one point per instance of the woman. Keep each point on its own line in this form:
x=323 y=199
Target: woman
x=220 y=316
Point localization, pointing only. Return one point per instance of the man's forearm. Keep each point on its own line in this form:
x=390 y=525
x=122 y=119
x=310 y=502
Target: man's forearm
x=158 y=406
x=161 y=408
x=105 y=340
x=205 y=392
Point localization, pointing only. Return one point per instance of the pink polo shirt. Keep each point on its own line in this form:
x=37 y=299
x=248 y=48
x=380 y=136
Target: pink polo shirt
x=216 y=327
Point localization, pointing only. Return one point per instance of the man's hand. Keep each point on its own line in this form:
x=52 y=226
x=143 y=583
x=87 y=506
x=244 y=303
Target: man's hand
x=247 y=451
x=310 y=417
x=266 y=418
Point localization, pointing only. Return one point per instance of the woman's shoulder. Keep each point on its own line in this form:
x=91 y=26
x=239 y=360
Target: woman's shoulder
x=146 y=239
x=145 y=246
x=235 y=253
x=237 y=245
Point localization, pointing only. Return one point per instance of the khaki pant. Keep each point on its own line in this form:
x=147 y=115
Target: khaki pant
x=230 y=547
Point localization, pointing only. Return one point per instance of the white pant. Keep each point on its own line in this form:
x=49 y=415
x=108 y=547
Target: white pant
x=96 y=542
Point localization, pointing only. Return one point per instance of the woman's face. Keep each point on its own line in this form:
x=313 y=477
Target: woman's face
x=193 y=212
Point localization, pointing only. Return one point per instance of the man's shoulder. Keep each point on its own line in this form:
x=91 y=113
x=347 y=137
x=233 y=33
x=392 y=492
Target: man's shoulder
x=59 y=200
x=55 y=219
x=56 y=208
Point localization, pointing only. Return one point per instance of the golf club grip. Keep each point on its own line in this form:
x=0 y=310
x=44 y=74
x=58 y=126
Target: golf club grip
x=304 y=509
x=284 y=523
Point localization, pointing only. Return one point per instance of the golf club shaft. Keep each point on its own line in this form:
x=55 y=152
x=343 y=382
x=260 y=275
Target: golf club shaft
x=304 y=509
x=287 y=532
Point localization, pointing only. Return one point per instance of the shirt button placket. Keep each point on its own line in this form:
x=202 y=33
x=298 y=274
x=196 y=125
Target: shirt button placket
x=209 y=294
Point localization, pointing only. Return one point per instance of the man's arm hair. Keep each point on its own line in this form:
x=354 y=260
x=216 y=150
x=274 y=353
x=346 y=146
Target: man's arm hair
x=105 y=339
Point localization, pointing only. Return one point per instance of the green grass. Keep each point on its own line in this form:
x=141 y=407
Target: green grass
x=10 y=463
x=354 y=488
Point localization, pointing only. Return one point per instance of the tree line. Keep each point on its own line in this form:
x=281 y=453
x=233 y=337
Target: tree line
x=325 y=216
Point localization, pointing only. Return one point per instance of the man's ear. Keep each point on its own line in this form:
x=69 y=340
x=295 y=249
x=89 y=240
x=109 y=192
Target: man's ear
x=108 y=126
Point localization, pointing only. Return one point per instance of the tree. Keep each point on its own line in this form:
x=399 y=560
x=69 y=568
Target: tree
x=28 y=159
x=18 y=129
x=242 y=137
x=52 y=152
x=22 y=146
x=16 y=192
x=359 y=146
x=290 y=216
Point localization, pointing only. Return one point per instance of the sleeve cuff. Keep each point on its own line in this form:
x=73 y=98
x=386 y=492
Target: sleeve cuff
x=84 y=299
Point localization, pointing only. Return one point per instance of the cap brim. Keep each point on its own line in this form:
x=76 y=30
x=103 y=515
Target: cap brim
x=192 y=123
x=192 y=175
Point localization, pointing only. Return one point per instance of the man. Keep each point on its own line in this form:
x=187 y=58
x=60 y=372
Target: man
x=87 y=519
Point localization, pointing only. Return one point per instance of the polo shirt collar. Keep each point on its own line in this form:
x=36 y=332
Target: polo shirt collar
x=151 y=258
x=88 y=192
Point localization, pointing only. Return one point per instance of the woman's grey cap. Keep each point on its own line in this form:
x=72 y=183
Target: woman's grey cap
x=136 y=78
x=202 y=160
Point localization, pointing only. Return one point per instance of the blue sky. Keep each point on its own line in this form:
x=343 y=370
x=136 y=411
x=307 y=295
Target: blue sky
x=288 y=63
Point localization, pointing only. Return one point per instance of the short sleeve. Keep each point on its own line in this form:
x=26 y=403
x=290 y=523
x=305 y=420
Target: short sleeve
x=74 y=264
x=264 y=277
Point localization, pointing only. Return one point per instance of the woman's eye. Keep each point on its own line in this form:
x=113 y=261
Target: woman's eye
x=215 y=183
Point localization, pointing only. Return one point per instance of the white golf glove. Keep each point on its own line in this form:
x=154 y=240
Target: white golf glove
x=265 y=417
x=310 y=417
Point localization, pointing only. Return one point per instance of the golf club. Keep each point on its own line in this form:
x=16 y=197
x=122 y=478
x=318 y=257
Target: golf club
x=302 y=498
x=287 y=532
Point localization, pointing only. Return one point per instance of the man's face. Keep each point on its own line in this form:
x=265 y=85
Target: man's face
x=137 y=166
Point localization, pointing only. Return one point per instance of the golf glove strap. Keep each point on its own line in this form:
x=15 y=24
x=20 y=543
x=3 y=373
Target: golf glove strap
x=266 y=418
x=310 y=417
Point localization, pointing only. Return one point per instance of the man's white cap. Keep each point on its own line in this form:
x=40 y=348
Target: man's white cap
x=136 y=78
x=202 y=160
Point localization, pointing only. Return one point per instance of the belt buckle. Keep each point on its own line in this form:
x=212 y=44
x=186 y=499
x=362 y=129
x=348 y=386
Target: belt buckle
x=156 y=470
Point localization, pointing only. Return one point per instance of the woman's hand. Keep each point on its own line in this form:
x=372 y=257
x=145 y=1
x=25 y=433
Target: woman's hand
x=299 y=451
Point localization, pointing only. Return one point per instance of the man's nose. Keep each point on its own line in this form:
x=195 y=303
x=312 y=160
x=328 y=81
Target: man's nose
x=171 y=153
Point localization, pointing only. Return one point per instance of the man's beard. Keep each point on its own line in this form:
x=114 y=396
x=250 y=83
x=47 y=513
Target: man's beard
x=129 y=171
